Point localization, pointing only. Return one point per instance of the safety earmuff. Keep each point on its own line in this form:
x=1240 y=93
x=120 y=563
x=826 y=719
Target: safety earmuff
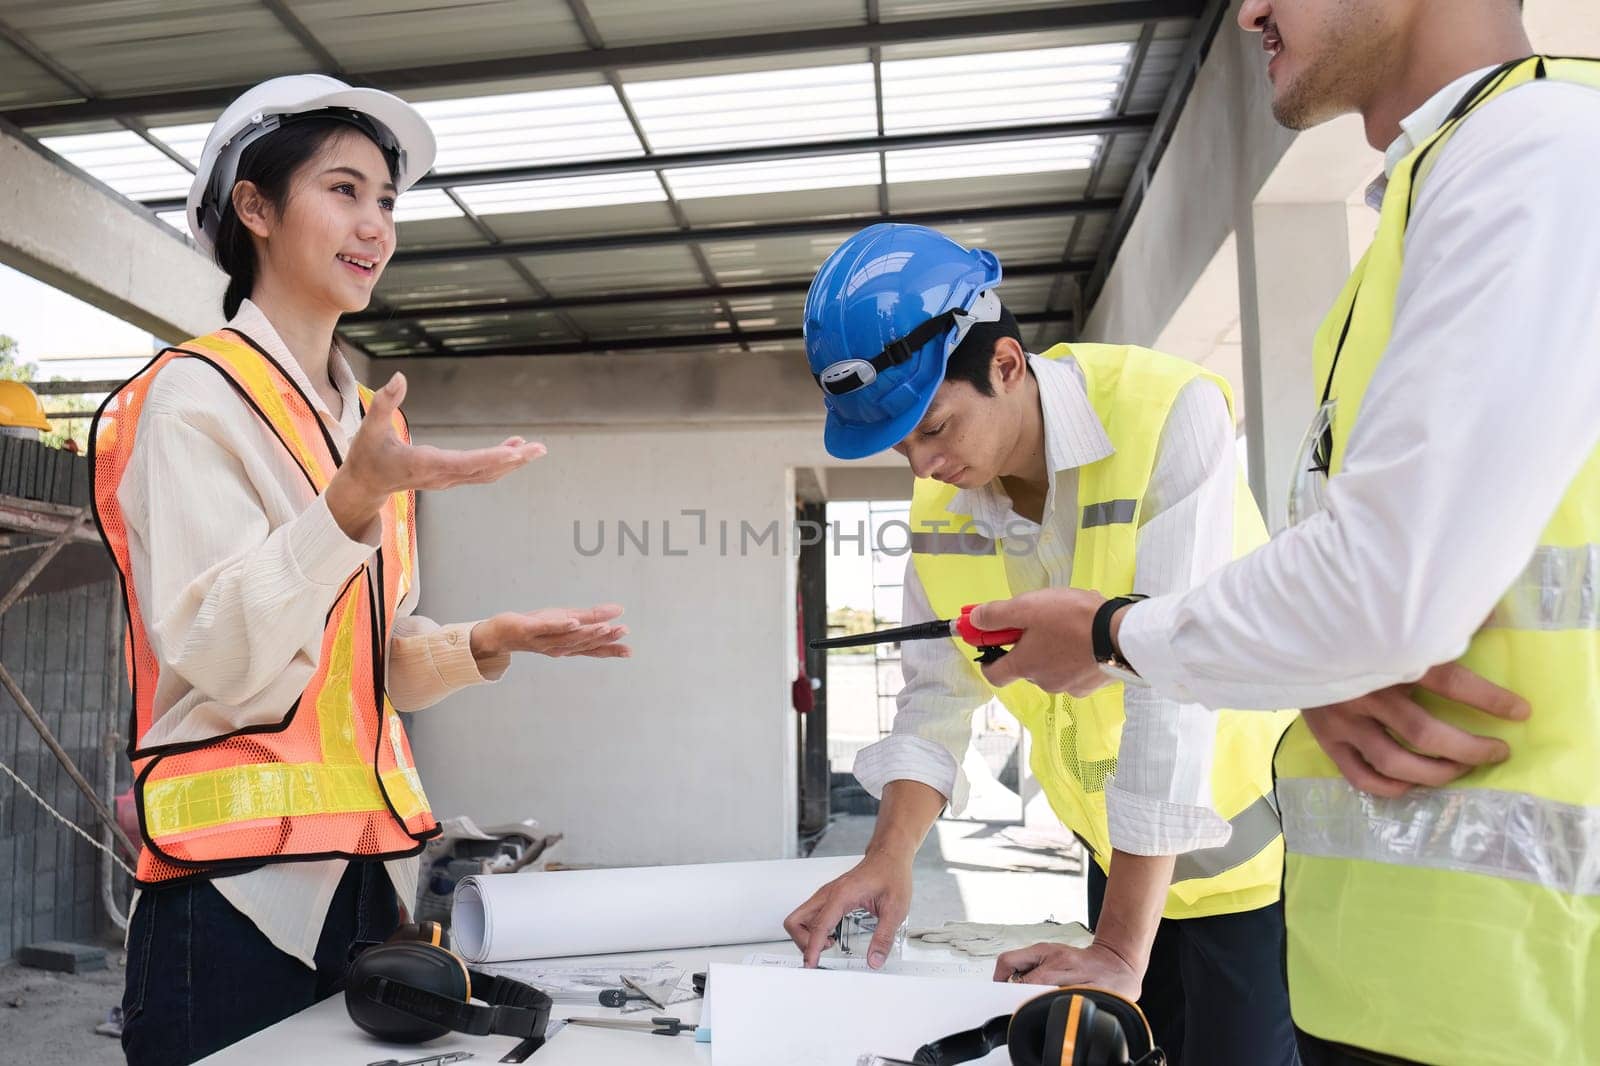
x=1076 y=1026
x=412 y=988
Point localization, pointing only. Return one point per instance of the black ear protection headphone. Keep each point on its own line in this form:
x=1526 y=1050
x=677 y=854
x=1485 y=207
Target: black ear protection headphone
x=1064 y=1027
x=413 y=988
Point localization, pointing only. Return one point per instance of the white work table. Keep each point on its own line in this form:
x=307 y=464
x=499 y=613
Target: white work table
x=324 y=1035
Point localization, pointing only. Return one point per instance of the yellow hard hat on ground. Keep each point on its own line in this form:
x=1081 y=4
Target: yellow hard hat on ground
x=20 y=407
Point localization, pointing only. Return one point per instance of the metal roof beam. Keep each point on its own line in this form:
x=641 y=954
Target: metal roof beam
x=750 y=231
x=649 y=343
x=671 y=53
x=875 y=55
x=77 y=388
x=591 y=34
x=792 y=287
x=308 y=40
x=1183 y=79
x=588 y=168
x=1130 y=82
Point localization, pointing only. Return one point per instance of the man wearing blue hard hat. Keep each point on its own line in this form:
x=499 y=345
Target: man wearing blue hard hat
x=1105 y=467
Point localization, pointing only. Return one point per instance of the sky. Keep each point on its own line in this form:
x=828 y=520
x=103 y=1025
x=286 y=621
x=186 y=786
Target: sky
x=851 y=566
x=46 y=322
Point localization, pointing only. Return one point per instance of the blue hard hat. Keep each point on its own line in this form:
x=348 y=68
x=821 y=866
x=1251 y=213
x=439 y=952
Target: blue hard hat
x=882 y=316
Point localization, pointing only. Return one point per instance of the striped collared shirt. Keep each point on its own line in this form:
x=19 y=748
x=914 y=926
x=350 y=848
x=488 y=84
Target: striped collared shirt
x=1159 y=801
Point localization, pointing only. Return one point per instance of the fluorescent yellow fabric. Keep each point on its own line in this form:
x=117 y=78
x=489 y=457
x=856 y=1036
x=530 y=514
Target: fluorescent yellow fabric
x=1459 y=925
x=335 y=776
x=1075 y=741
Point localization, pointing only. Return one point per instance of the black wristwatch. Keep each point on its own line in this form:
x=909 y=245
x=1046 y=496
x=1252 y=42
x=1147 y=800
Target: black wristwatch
x=1106 y=652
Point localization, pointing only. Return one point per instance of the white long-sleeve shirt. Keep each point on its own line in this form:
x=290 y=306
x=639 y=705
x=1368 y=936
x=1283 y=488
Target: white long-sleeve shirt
x=1158 y=802
x=1484 y=407
x=236 y=567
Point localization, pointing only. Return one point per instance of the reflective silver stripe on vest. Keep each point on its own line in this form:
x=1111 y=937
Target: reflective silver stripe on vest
x=1253 y=829
x=1109 y=513
x=968 y=543
x=1558 y=589
x=1470 y=830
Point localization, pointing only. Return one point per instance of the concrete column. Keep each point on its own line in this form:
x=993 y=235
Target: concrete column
x=1293 y=261
x=1224 y=146
x=61 y=226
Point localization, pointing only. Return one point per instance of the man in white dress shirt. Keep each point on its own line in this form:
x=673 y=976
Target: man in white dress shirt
x=1108 y=466
x=1449 y=512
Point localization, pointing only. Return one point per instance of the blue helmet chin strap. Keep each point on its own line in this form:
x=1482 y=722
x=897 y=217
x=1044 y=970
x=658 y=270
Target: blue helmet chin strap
x=848 y=375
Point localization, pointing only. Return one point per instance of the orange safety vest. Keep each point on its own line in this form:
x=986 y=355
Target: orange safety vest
x=334 y=778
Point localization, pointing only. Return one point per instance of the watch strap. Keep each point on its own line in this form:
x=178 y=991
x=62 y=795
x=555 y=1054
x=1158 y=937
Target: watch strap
x=1105 y=649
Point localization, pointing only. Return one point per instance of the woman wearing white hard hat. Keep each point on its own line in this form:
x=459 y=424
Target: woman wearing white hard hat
x=259 y=505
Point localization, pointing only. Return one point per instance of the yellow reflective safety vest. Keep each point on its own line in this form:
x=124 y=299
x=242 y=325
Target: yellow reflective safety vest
x=334 y=777
x=1075 y=741
x=1459 y=925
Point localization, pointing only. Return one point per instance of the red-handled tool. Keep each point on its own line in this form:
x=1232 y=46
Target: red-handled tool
x=991 y=643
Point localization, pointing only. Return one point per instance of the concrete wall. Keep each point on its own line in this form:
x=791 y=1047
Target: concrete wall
x=687 y=751
x=1228 y=152
x=1224 y=146
x=1248 y=231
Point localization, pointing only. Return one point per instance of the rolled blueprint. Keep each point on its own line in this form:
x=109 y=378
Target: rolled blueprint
x=551 y=914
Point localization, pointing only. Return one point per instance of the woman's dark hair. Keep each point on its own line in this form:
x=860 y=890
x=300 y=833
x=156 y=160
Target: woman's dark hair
x=972 y=358
x=271 y=163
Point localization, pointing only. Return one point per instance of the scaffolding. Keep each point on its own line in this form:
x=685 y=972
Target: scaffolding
x=60 y=662
x=890 y=557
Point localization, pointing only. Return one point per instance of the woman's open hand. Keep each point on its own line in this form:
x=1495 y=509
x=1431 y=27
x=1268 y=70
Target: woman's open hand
x=554 y=631
x=381 y=464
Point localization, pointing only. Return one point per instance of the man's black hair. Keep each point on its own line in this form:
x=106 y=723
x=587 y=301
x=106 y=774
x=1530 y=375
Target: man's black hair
x=972 y=358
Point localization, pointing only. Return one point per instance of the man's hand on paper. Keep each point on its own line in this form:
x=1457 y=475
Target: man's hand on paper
x=1056 y=651
x=1386 y=742
x=554 y=631
x=1059 y=964
x=881 y=883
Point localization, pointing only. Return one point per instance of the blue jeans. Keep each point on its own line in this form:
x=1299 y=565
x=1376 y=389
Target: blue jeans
x=201 y=976
x=1214 y=990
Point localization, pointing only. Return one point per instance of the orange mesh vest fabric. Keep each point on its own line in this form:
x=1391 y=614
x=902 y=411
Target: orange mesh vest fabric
x=335 y=777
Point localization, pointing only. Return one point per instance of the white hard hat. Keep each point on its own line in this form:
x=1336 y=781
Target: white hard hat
x=396 y=124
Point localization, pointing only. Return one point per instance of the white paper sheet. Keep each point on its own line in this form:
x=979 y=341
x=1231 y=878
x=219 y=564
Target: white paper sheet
x=776 y=1016
x=544 y=915
x=961 y=968
x=585 y=981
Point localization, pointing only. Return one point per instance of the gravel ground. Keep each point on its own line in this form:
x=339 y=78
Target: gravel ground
x=48 y=1019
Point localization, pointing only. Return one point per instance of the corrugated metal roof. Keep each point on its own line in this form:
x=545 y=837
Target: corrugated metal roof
x=25 y=82
x=630 y=22
x=511 y=129
x=124 y=161
x=379 y=34
x=718 y=79
x=131 y=46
